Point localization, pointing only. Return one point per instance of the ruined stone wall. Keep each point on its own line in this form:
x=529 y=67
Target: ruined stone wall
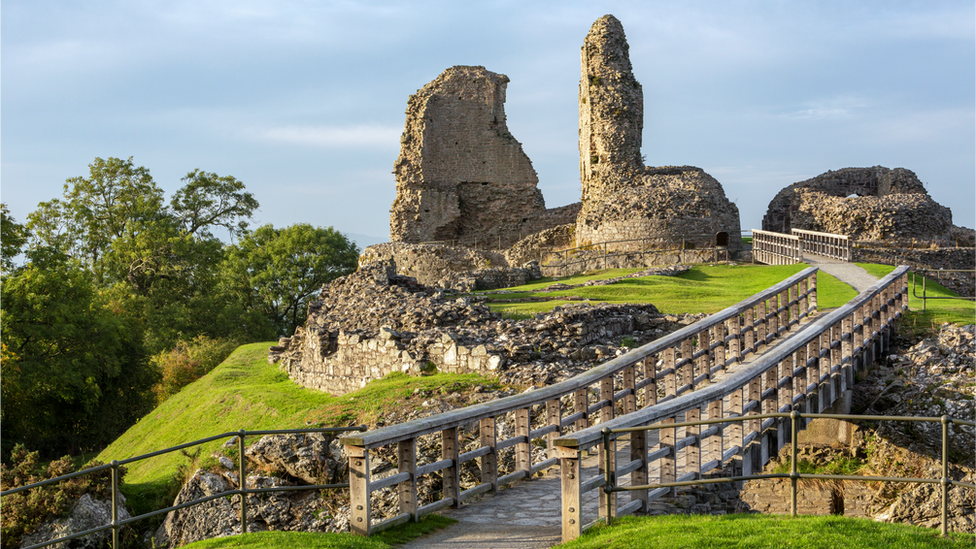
x=461 y=175
x=370 y=323
x=864 y=203
x=455 y=267
x=623 y=199
x=611 y=112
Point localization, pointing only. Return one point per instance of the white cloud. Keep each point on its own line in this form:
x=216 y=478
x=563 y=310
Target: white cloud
x=831 y=108
x=335 y=136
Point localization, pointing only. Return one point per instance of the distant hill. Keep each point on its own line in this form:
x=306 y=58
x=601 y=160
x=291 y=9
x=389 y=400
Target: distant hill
x=363 y=240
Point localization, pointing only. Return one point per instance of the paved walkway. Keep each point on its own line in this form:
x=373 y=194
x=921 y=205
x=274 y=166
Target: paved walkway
x=857 y=277
x=526 y=514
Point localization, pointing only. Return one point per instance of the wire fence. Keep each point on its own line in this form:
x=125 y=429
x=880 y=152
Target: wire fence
x=610 y=478
x=116 y=524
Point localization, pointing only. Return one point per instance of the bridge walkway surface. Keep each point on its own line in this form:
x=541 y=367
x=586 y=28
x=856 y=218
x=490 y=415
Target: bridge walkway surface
x=527 y=514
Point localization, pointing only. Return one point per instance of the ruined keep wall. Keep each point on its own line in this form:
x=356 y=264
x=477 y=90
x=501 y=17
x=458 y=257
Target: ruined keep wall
x=461 y=176
x=623 y=199
x=864 y=203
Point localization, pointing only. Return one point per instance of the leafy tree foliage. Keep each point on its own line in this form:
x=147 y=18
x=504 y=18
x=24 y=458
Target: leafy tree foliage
x=74 y=372
x=279 y=271
x=163 y=261
x=13 y=236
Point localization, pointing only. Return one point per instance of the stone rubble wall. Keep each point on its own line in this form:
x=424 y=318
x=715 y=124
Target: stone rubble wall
x=374 y=322
x=452 y=267
x=863 y=203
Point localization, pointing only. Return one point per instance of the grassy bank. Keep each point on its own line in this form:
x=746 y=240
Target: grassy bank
x=937 y=311
x=703 y=289
x=247 y=392
x=762 y=531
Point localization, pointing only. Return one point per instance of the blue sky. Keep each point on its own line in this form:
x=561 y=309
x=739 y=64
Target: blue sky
x=304 y=101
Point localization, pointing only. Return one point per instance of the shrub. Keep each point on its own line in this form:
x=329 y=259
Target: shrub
x=187 y=362
x=24 y=511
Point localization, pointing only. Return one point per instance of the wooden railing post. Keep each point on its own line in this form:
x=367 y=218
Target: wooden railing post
x=452 y=474
x=650 y=376
x=489 y=462
x=523 y=450
x=785 y=398
x=668 y=466
x=359 y=500
x=571 y=479
x=749 y=339
x=671 y=380
x=693 y=451
x=606 y=414
x=762 y=325
x=407 y=490
x=735 y=430
x=705 y=361
x=715 y=444
x=553 y=417
x=581 y=404
x=752 y=454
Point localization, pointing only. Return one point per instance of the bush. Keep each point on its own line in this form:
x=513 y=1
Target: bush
x=187 y=362
x=24 y=511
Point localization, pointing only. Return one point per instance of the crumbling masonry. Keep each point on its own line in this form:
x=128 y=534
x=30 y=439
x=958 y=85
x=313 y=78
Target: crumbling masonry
x=461 y=176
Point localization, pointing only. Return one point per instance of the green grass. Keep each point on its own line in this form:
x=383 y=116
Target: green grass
x=937 y=312
x=762 y=531
x=703 y=289
x=274 y=540
x=245 y=392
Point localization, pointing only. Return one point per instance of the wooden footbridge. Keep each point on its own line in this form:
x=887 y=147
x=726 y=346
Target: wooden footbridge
x=769 y=353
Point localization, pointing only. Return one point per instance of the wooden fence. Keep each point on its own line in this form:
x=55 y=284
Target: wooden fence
x=681 y=361
x=806 y=372
x=776 y=248
x=834 y=246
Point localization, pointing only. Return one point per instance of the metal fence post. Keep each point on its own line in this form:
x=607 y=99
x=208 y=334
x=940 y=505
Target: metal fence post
x=794 y=475
x=243 y=482
x=115 y=504
x=945 y=475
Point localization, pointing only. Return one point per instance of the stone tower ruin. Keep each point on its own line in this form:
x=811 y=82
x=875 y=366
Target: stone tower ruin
x=623 y=199
x=461 y=176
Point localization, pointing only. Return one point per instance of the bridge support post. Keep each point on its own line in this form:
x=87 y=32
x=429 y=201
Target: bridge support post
x=570 y=461
x=359 y=504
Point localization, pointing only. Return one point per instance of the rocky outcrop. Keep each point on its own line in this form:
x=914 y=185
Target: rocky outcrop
x=623 y=199
x=87 y=513
x=461 y=175
x=863 y=203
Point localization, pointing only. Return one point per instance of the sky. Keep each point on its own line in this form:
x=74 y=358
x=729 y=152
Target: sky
x=304 y=101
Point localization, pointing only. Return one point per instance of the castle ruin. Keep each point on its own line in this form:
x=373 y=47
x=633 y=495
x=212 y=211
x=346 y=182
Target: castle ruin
x=622 y=198
x=864 y=203
x=461 y=175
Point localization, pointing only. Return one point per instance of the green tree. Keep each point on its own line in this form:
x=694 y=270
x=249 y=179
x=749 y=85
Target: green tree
x=279 y=271
x=163 y=261
x=13 y=236
x=74 y=372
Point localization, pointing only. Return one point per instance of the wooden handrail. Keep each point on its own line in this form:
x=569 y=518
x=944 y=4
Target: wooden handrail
x=805 y=371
